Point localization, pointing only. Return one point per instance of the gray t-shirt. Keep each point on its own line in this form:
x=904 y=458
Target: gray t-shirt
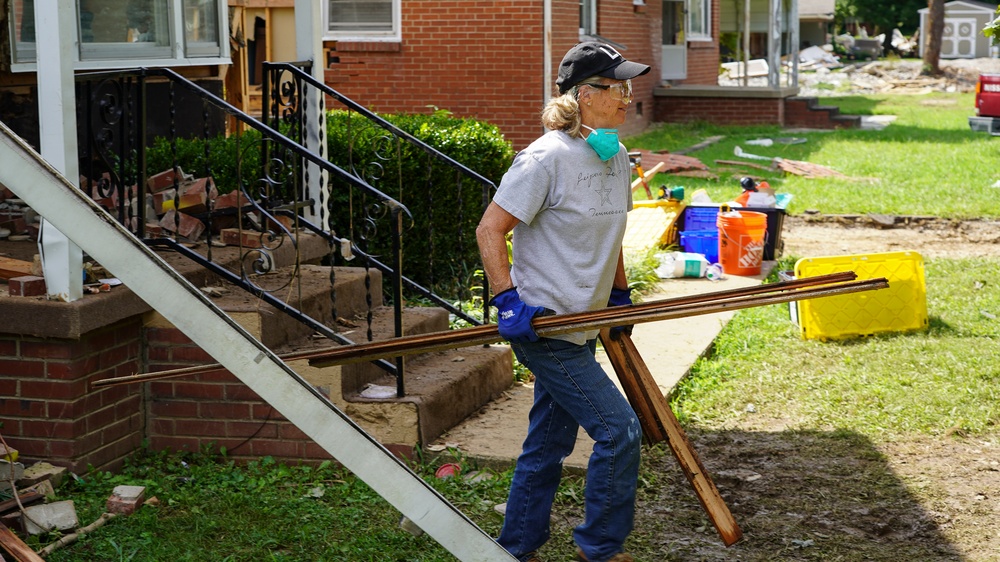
x=572 y=210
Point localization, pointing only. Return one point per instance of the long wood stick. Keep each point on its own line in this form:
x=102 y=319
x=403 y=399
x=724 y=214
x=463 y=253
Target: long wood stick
x=544 y=325
x=645 y=397
x=547 y=326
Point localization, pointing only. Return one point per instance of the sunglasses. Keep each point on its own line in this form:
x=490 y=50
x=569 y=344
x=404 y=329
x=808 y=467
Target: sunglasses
x=620 y=91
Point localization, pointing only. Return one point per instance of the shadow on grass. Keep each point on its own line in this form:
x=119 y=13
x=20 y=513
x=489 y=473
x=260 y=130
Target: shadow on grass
x=796 y=495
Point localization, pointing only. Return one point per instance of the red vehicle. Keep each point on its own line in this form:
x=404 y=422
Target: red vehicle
x=987 y=105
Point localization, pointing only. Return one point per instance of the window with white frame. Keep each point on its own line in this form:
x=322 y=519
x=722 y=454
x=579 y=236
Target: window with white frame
x=699 y=22
x=364 y=19
x=588 y=17
x=117 y=33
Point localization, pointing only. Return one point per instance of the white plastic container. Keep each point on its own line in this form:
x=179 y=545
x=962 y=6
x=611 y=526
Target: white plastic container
x=681 y=264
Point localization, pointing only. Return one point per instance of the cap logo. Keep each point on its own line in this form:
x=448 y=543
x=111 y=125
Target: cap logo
x=610 y=51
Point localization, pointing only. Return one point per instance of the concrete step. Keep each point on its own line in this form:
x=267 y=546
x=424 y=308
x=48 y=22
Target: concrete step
x=442 y=389
x=803 y=111
x=309 y=293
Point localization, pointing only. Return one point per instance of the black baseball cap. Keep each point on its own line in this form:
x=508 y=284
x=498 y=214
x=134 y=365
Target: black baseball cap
x=595 y=59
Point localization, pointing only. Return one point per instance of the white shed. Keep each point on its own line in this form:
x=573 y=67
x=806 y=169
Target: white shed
x=963 y=29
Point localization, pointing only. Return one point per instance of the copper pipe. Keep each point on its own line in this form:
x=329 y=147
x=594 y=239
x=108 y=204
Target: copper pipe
x=732 y=299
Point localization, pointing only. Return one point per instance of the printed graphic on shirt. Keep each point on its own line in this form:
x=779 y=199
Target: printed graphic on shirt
x=602 y=184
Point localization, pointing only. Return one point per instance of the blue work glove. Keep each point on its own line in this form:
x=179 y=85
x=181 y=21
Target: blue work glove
x=514 y=318
x=620 y=297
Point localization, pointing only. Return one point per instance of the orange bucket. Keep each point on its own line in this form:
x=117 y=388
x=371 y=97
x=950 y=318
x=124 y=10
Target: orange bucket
x=741 y=241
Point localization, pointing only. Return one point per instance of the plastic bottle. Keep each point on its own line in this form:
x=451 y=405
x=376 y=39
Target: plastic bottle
x=713 y=272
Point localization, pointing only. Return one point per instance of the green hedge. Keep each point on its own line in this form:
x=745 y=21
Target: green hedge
x=439 y=243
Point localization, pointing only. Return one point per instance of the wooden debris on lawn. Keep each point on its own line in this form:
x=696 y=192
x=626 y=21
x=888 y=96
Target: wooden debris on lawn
x=806 y=169
x=703 y=174
x=672 y=162
x=746 y=164
x=17 y=548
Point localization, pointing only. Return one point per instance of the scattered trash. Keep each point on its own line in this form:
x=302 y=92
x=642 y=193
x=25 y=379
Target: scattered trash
x=378 y=392
x=410 y=527
x=988 y=315
x=703 y=144
x=714 y=272
x=214 y=292
x=743 y=474
x=448 y=470
x=815 y=54
x=739 y=152
x=681 y=264
x=996 y=184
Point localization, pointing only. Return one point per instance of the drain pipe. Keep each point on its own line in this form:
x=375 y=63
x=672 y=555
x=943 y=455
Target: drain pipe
x=546 y=51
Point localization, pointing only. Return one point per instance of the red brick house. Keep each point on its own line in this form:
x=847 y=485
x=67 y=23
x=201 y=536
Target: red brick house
x=497 y=61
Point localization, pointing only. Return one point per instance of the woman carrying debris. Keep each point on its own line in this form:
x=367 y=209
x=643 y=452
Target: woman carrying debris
x=565 y=197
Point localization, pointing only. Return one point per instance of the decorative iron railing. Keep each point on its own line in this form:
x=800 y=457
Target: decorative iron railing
x=262 y=188
x=446 y=220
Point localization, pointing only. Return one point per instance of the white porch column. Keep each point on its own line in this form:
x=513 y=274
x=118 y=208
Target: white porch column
x=309 y=46
x=793 y=23
x=774 y=44
x=55 y=31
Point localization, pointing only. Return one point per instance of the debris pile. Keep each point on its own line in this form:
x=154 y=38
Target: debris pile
x=34 y=508
x=825 y=79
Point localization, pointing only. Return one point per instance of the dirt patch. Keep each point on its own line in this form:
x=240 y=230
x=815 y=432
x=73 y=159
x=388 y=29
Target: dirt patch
x=830 y=495
x=811 y=236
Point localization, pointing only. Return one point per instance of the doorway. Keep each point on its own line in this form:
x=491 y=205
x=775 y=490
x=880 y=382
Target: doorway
x=673 y=65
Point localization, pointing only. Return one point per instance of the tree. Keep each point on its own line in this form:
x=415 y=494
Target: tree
x=992 y=29
x=935 y=30
x=879 y=16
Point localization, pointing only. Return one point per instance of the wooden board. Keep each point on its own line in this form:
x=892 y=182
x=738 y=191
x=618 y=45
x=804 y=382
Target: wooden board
x=10 y=268
x=659 y=421
x=16 y=548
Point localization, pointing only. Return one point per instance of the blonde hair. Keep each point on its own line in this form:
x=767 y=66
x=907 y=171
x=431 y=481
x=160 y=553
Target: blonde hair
x=562 y=113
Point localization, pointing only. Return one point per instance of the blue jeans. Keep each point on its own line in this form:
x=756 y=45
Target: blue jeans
x=573 y=391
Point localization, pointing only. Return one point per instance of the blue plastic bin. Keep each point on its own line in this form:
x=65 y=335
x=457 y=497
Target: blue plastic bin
x=700 y=218
x=704 y=242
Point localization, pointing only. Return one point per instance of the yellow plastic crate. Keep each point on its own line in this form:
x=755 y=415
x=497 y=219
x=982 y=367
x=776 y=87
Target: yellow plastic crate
x=901 y=307
x=651 y=223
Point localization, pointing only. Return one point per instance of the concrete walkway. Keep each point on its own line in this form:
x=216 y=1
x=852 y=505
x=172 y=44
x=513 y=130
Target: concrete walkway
x=493 y=436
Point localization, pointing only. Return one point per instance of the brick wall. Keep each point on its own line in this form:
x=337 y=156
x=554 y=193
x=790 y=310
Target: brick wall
x=483 y=60
x=215 y=409
x=50 y=412
x=721 y=111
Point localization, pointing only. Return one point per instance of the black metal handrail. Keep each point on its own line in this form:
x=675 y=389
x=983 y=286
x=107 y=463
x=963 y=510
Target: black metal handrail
x=128 y=163
x=295 y=69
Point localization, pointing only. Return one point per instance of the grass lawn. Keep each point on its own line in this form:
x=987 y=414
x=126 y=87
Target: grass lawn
x=928 y=162
x=865 y=449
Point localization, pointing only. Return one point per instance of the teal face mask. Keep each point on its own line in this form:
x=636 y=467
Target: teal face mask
x=604 y=142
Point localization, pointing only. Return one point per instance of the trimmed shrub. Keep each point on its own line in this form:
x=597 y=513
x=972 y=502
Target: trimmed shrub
x=439 y=244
